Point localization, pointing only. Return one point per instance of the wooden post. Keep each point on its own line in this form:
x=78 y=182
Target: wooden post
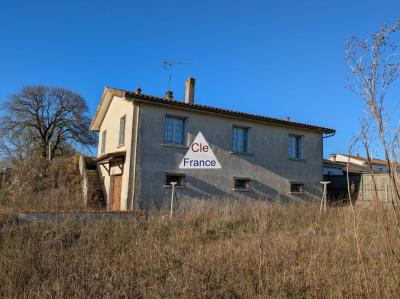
x=386 y=192
x=324 y=195
x=172 y=199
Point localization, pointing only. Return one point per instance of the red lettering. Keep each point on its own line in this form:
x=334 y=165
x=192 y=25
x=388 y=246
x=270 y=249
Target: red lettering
x=198 y=147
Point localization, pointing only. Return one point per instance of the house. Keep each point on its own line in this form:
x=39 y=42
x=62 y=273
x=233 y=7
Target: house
x=359 y=164
x=143 y=139
x=331 y=168
x=344 y=170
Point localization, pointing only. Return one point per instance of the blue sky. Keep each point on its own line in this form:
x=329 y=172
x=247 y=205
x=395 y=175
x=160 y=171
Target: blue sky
x=276 y=58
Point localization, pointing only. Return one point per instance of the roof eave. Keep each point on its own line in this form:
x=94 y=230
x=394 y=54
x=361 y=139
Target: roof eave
x=214 y=110
x=102 y=108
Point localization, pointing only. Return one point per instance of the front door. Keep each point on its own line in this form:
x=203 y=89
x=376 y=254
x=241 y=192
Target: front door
x=116 y=182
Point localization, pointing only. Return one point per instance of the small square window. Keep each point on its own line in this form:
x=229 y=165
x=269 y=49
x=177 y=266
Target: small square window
x=178 y=178
x=296 y=187
x=241 y=184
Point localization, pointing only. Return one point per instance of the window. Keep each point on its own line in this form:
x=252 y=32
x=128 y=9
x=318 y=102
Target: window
x=174 y=130
x=240 y=140
x=122 y=121
x=103 y=141
x=241 y=184
x=296 y=147
x=178 y=178
x=296 y=187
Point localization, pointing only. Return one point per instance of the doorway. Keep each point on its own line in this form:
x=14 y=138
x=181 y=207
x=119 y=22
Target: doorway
x=116 y=183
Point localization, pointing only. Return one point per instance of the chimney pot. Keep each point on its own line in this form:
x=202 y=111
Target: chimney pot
x=138 y=90
x=169 y=95
x=189 y=90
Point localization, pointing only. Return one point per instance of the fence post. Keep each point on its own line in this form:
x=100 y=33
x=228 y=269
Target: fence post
x=386 y=192
x=172 y=199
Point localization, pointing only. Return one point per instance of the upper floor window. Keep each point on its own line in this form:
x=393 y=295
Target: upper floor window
x=240 y=140
x=103 y=141
x=296 y=147
x=122 y=121
x=174 y=130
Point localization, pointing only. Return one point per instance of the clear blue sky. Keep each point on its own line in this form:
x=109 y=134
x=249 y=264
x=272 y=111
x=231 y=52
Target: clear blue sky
x=276 y=58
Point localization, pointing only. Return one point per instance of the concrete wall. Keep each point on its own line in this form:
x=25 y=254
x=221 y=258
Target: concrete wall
x=118 y=108
x=384 y=189
x=269 y=167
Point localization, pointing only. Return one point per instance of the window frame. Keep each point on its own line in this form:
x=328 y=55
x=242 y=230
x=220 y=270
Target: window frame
x=122 y=132
x=182 y=177
x=184 y=130
x=300 y=157
x=300 y=184
x=103 y=142
x=246 y=141
x=247 y=182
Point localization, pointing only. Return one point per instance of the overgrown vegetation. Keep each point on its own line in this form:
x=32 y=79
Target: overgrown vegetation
x=35 y=184
x=211 y=250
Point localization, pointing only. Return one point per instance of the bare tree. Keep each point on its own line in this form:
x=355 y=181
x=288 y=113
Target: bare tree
x=42 y=119
x=375 y=66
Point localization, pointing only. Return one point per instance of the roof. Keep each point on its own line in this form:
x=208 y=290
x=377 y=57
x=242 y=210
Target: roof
x=364 y=159
x=353 y=168
x=111 y=156
x=332 y=163
x=202 y=108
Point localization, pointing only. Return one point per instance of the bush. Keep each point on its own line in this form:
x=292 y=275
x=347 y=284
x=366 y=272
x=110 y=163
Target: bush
x=36 y=184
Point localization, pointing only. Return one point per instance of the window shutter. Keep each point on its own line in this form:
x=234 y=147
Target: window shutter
x=233 y=147
x=186 y=140
x=290 y=147
x=122 y=130
x=302 y=147
x=250 y=140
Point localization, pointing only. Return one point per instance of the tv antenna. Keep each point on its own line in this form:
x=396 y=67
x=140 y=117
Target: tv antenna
x=168 y=63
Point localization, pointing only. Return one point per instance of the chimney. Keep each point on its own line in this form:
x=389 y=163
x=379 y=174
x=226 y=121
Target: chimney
x=189 y=90
x=169 y=95
x=287 y=118
x=138 y=90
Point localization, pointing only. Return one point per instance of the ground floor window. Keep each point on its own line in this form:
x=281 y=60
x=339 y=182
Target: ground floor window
x=241 y=184
x=178 y=178
x=296 y=187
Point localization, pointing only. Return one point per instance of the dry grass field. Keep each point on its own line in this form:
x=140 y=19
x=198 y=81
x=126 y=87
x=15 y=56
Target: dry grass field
x=210 y=250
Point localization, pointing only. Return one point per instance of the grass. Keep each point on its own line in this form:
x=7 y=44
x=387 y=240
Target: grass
x=208 y=250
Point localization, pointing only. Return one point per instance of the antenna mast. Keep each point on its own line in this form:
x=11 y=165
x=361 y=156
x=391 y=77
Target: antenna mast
x=168 y=63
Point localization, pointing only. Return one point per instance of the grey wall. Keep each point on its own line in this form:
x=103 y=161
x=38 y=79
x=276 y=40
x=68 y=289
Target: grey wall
x=269 y=168
x=382 y=188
